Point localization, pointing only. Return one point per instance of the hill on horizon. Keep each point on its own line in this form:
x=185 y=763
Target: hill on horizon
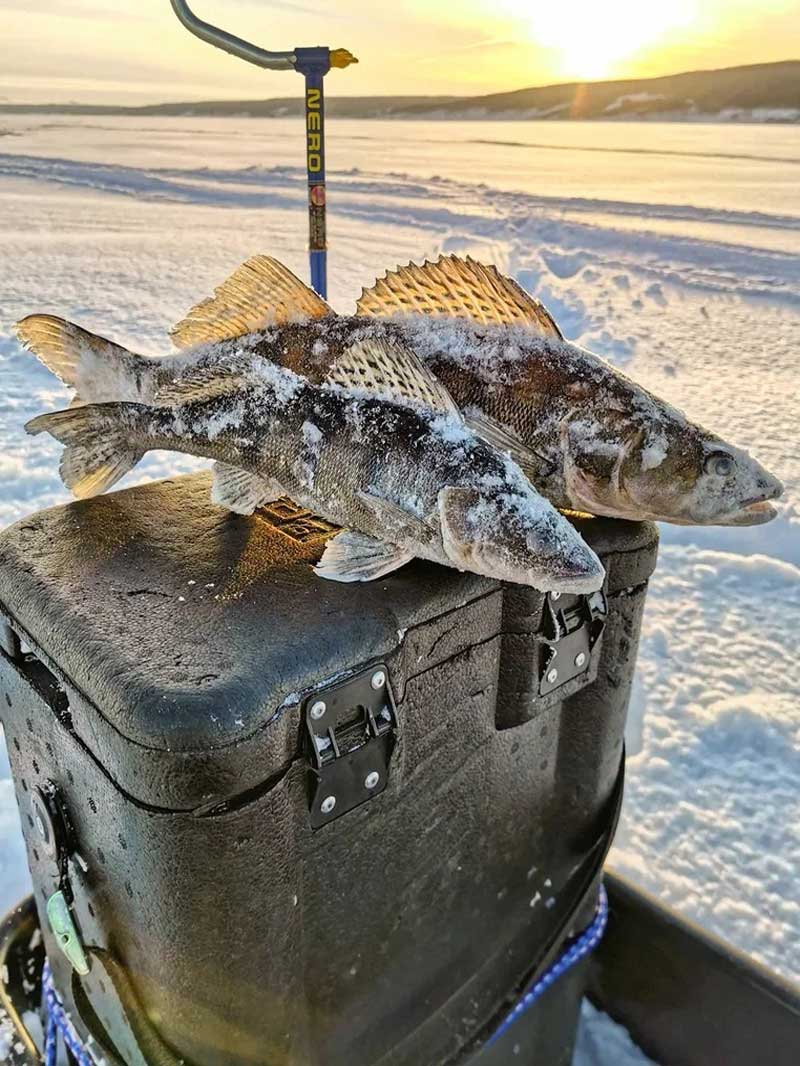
x=767 y=92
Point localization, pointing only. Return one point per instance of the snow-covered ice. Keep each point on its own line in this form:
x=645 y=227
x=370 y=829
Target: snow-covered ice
x=601 y=1042
x=670 y=250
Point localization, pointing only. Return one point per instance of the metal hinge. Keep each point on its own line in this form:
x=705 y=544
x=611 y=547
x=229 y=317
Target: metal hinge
x=351 y=729
x=573 y=626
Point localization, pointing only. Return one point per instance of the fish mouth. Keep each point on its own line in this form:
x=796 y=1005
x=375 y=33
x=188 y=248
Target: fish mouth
x=582 y=574
x=574 y=581
x=551 y=576
x=753 y=512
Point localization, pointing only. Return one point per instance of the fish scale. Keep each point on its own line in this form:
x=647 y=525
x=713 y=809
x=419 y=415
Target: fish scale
x=404 y=477
x=582 y=430
x=470 y=344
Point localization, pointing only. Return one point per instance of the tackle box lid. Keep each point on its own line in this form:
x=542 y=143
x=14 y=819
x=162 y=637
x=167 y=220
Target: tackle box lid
x=188 y=627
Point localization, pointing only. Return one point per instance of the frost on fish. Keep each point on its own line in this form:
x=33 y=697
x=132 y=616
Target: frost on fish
x=586 y=436
x=608 y=445
x=377 y=446
x=654 y=453
x=393 y=474
x=285 y=384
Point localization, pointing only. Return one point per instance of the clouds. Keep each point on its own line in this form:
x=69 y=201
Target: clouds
x=106 y=51
x=72 y=10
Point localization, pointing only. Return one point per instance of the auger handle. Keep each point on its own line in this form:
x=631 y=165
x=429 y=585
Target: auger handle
x=228 y=42
x=313 y=64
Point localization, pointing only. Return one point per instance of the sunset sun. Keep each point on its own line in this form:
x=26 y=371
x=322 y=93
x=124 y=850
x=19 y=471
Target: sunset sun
x=589 y=39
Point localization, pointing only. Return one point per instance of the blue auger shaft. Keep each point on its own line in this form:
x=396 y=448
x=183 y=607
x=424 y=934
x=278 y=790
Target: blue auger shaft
x=314 y=64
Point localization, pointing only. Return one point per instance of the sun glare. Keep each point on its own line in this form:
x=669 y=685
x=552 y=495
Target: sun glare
x=591 y=38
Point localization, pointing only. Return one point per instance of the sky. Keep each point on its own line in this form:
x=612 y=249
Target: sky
x=118 y=51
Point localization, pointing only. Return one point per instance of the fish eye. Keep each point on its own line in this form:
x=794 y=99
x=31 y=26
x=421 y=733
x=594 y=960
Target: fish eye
x=719 y=463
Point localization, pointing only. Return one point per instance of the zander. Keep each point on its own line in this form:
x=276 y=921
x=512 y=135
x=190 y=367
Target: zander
x=588 y=437
x=609 y=447
x=404 y=476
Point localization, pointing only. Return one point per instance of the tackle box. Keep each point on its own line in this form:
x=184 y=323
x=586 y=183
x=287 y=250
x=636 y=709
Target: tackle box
x=273 y=820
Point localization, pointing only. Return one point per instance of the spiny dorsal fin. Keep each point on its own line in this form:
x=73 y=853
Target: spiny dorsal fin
x=261 y=293
x=459 y=288
x=384 y=365
x=201 y=385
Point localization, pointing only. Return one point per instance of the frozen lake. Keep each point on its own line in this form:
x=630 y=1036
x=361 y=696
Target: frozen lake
x=668 y=177
x=672 y=250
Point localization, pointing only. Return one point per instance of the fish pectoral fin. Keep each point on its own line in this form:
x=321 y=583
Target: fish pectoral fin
x=201 y=385
x=459 y=288
x=386 y=365
x=396 y=520
x=502 y=437
x=241 y=491
x=262 y=292
x=353 y=556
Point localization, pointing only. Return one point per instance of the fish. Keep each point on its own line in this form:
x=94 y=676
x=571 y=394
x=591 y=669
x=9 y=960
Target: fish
x=404 y=476
x=610 y=447
x=589 y=438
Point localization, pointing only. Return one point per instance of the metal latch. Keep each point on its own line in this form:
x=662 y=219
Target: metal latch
x=351 y=728
x=573 y=626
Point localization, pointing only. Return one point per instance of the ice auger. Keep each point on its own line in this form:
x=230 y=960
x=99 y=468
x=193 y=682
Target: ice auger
x=313 y=64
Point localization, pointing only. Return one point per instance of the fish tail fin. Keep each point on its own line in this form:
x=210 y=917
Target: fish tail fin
x=98 y=448
x=98 y=369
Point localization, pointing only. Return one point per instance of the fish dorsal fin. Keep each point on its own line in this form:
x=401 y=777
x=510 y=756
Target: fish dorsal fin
x=261 y=293
x=458 y=288
x=201 y=385
x=385 y=365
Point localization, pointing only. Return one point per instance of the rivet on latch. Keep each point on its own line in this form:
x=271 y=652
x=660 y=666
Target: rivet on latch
x=552 y=676
x=378 y=679
x=328 y=804
x=580 y=659
x=318 y=709
x=555 y=595
x=372 y=779
x=65 y=933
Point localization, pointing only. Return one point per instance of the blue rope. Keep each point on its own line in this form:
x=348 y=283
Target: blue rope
x=578 y=949
x=586 y=942
x=51 y=1040
x=58 y=1023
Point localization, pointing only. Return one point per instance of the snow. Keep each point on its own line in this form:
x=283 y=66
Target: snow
x=759 y=114
x=284 y=383
x=654 y=454
x=670 y=250
x=711 y=821
x=633 y=98
x=312 y=435
x=601 y=1042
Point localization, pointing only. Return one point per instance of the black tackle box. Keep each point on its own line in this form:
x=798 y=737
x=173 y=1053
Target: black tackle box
x=288 y=822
